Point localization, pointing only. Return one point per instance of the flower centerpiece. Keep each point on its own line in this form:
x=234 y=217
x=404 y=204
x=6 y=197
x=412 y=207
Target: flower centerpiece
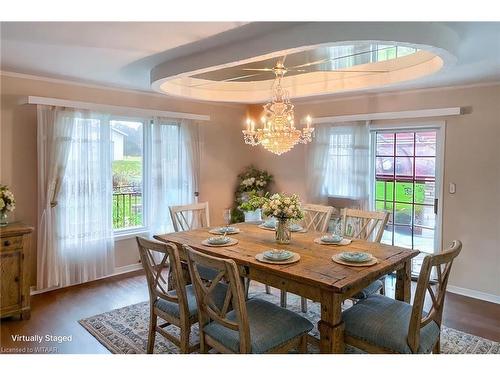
x=7 y=204
x=284 y=208
x=252 y=182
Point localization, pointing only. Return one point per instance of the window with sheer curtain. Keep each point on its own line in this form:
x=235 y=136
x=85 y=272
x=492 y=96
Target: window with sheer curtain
x=79 y=213
x=338 y=163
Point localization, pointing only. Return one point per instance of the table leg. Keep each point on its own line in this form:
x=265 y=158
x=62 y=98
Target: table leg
x=331 y=326
x=403 y=282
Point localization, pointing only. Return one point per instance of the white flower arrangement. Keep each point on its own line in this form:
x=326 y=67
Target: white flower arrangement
x=7 y=201
x=282 y=206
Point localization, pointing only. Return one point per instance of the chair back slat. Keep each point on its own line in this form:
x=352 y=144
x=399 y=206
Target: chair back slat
x=158 y=258
x=442 y=262
x=235 y=297
x=317 y=217
x=363 y=224
x=190 y=216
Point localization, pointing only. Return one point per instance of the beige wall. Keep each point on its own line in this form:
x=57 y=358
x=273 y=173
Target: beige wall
x=472 y=161
x=220 y=163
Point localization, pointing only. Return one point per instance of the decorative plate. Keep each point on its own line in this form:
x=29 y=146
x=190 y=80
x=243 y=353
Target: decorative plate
x=337 y=259
x=228 y=242
x=260 y=257
x=344 y=242
x=277 y=255
x=227 y=230
x=355 y=256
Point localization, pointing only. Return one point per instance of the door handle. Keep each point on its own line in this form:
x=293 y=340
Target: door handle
x=436 y=201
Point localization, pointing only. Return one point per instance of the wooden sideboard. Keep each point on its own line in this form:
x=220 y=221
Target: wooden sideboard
x=15 y=254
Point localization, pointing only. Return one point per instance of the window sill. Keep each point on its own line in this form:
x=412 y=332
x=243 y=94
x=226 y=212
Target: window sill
x=126 y=234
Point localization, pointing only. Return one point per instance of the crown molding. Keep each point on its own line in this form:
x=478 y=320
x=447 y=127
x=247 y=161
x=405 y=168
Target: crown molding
x=60 y=81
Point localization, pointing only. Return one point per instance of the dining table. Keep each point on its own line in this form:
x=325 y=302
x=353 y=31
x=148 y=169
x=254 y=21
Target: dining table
x=314 y=276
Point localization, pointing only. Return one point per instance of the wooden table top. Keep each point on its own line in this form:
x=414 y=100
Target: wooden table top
x=315 y=266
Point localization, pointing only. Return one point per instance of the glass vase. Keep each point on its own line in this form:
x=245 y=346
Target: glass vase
x=283 y=234
x=3 y=219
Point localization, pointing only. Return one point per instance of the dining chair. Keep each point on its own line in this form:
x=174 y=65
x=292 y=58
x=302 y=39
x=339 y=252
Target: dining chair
x=176 y=307
x=379 y=324
x=368 y=226
x=190 y=216
x=241 y=326
x=316 y=218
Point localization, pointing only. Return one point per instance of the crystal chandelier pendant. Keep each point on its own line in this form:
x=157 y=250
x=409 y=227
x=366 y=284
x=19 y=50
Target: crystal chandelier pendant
x=278 y=133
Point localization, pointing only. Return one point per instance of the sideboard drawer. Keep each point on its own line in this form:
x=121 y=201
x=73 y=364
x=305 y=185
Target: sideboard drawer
x=11 y=243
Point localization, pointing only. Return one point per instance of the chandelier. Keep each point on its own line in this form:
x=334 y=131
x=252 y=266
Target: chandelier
x=278 y=133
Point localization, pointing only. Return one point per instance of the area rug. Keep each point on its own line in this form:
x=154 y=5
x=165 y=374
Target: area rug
x=125 y=330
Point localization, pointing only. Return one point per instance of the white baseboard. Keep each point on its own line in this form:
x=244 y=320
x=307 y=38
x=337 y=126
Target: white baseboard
x=473 y=294
x=127 y=268
x=117 y=271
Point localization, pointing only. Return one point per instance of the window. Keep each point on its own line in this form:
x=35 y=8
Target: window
x=127 y=148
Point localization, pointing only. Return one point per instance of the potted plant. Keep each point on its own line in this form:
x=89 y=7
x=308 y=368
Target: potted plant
x=251 y=182
x=7 y=204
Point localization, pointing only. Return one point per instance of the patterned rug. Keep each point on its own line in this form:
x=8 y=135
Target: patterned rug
x=125 y=330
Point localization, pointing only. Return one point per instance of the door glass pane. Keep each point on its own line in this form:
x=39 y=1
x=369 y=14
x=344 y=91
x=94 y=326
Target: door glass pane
x=387 y=236
x=384 y=190
x=424 y=216
x=403 y=213
x=425 y=192
x=384 y=166
x=404 y=166
x=404 y=144
x=425 y=167
x=404 y=192
x=403 y=236
x=385 y=144
x=425 y=143
x=423 y=239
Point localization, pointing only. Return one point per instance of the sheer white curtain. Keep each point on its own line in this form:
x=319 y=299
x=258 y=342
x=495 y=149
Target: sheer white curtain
x=80 y=232
x=53 y=144
x=175 y=165
x=339 y=163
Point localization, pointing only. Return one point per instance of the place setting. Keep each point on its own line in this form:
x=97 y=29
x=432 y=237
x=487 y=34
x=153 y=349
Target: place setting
x=223 y=233
x=355 y=259
x=278 y=256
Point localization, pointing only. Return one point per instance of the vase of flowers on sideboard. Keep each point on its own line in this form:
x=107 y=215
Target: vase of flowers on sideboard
x=7 y=204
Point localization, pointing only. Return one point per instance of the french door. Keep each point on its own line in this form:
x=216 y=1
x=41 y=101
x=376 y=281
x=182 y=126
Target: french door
x=407 y=184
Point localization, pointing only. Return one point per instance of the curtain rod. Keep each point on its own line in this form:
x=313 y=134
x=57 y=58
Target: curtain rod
x=434 y=112
x=115 y=109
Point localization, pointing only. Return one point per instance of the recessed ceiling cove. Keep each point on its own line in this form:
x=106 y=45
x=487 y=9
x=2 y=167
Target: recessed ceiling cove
x=310 y=70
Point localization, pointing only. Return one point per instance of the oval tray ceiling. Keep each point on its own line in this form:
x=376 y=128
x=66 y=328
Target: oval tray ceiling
x=312 y=70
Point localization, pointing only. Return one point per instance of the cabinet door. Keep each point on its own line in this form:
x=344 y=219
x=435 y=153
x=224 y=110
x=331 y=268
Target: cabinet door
x=10 y=276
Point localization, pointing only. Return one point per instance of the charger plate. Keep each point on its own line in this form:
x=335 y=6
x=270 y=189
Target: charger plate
x=343 y=242
x=232 y=241
x=336 y=259
x=215 y=231
x=260 y=257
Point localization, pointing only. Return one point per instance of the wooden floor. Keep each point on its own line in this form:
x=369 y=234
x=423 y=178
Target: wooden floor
x=58 y=312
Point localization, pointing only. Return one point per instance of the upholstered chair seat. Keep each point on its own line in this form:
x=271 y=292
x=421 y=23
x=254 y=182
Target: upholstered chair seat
x=172 y=308
x=384 y=322
x=270 y=327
